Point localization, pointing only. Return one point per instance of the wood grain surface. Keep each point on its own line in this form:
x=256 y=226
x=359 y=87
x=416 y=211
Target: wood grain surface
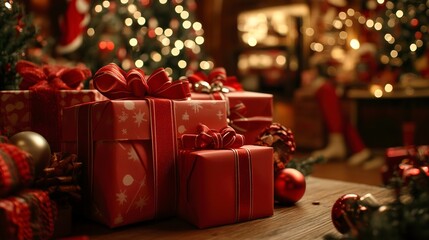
x=310 y=218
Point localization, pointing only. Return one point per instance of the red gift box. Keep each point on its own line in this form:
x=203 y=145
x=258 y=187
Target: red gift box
x=249 y=112
x=25 y=110
x=128 y=149
x=28 y=215
x=225 y=186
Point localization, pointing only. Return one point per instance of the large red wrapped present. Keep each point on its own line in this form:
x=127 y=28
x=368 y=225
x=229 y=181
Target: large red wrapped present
x=249 y=112
x=128 y=147
x=45 y=91
x=224 y=186
x=28 y=215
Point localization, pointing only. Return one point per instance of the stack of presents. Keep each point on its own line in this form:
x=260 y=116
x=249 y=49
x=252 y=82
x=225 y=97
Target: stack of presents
x=150 y=147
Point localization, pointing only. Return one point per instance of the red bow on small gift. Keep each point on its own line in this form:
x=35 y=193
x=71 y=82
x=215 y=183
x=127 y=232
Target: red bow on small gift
x=216 y=81
x=212 y=139
x=51 y=77
x=115 y=83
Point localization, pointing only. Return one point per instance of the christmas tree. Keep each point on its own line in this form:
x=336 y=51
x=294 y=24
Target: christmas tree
x=404 y=30
x=15 y=35
x=145 y=34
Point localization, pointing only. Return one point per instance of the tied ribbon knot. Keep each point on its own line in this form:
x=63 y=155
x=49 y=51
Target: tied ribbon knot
x=49 y=77
x=211 y=139
x=215 y=81
x=114 y=83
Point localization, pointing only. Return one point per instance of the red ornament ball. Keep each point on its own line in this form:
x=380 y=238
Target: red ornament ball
x=345 y=211
x=289 y=186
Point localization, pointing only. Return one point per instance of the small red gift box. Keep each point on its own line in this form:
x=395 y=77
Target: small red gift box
x=25 y=110
x=249 y=112
x=28 y=215
x=225 y=186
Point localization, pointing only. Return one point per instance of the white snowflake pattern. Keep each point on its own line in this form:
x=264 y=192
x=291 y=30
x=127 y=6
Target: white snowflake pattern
x=121 y=197
x=142 y=202
x=185 y=116
x=119 y=219
x=132 y=155
x=123 y=117
x=196 y=106
x=219 y=115
x=139 y=118
x=124 y=131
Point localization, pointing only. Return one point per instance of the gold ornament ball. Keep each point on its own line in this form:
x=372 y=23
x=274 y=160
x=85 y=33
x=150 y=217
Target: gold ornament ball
x=36 y=145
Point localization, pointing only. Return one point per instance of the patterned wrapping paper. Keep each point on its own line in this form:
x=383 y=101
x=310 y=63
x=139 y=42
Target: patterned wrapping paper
x=18 y=112
x=225 y=186
x=28 y=215
x=249 y=112
x=124 y=183
x=16 y=169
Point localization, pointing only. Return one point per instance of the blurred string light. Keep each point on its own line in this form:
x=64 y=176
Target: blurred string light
x=138 y=25
x=396 y=13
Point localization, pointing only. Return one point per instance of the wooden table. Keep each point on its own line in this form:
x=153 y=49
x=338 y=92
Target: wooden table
x=310 y=218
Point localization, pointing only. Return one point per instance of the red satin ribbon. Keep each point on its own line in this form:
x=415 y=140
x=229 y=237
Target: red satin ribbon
x=51 y=77
x=115 y=83
x=244 y=184
x=217 y=74
x=212 y=139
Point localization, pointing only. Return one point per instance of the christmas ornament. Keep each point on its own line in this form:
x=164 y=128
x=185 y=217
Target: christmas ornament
x=350 y=210
x=216 y=81
x=283 y=142
x=36 y=145
x=202 y=86
x=344 y=212
x=289 y=186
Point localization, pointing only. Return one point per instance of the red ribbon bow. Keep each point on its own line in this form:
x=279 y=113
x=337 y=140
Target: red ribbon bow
x=212 y=139
x=115 y=83
x=51 y=77
x=216 y=75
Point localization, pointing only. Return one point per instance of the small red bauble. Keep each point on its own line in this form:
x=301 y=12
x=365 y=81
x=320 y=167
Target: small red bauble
x=344 y=212
x=289 y=186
